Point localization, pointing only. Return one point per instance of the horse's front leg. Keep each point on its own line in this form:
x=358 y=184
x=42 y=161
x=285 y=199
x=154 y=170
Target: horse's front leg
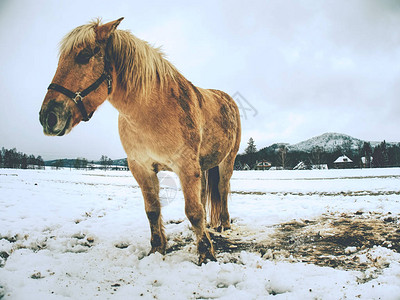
x=148 y=182
x=190 y=178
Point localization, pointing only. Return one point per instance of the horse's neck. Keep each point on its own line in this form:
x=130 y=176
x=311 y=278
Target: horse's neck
x=131 y=103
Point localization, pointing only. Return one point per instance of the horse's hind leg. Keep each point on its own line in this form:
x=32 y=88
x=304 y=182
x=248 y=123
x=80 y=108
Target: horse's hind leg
x=191 y=177
x=225 y=173
x=148 y=182
x=204 y=193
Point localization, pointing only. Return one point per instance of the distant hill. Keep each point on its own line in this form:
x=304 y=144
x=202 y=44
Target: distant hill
x=329 y=142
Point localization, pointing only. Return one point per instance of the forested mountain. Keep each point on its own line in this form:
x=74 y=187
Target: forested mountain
x=323 y=149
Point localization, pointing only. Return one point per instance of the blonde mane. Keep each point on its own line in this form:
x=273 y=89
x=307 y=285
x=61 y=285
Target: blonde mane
x=139 y=66
x=78 y=37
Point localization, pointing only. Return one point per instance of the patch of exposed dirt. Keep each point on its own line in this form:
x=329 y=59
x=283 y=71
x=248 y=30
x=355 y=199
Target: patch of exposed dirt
x=338 y=241
x=334 y=240
x=342 y=241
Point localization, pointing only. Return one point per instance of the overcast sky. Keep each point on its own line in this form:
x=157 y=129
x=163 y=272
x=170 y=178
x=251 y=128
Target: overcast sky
x=303 y=67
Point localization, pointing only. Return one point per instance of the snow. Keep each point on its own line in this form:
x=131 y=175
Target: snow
x=69 y=234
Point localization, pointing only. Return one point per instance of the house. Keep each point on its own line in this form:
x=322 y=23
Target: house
x=240 y=167
x=246 y=167
x=300 y=166
x=276 y=169
x=319 y=167
x=263 y=165
x=343 y=162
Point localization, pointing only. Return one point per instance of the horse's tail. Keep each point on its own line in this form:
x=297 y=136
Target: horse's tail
x=213 y=196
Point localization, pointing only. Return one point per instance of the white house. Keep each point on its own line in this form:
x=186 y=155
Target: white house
x=343 y=162
x=263 y=165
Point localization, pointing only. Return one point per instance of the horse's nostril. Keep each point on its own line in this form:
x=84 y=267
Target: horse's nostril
x=51 y=120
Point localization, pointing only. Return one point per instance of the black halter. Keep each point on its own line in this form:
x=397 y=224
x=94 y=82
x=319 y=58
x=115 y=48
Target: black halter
x=78 y=96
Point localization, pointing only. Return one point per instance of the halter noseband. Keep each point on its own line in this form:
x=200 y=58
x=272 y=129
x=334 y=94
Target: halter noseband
x=78 y=96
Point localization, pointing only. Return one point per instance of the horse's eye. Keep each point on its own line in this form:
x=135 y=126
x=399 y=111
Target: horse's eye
x=84 y=56
x=96 y=50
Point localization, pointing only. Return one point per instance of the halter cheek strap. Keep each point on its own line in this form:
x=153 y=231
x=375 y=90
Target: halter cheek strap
x=77 y=97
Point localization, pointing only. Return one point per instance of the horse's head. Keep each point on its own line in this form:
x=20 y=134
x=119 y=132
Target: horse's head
x=82 y=81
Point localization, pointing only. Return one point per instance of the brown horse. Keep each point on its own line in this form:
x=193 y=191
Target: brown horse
x=165 y=122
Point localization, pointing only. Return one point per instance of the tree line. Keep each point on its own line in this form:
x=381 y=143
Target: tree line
x=77 y=163
x=11 y=158
x=104 y=163
x=279 y=155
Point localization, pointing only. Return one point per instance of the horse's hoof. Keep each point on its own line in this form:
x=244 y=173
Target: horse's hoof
x=160 y=250
x=206 y=250
x=226 y=227
x=222 y=228
x=206 y=257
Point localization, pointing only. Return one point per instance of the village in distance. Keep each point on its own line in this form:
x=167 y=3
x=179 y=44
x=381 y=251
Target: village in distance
x=326 y=151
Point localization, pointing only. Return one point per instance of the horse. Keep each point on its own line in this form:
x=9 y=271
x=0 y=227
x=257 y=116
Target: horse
x=164 y=122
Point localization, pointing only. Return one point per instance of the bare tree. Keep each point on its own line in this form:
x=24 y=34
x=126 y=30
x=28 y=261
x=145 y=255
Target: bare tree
x=282 y=156
x=80 y=163
x=106 y=162
x=59 y=163
x=367 y=152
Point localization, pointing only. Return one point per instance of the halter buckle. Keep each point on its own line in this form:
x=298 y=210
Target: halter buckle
x=77 y=98
x=109 y=82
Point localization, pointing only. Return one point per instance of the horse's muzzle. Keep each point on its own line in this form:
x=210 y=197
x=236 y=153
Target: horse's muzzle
x=55 y=119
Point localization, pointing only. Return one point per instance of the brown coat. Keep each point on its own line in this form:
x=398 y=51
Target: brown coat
x=165 y=122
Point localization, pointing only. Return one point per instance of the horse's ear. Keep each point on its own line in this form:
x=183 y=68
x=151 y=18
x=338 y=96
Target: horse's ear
x=103 y=32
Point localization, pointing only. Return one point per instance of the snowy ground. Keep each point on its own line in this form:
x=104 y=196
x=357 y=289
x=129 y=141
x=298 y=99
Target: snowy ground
x=331 y=234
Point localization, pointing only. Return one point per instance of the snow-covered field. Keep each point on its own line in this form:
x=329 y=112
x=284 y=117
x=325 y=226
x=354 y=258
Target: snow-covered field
x=329 y=234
